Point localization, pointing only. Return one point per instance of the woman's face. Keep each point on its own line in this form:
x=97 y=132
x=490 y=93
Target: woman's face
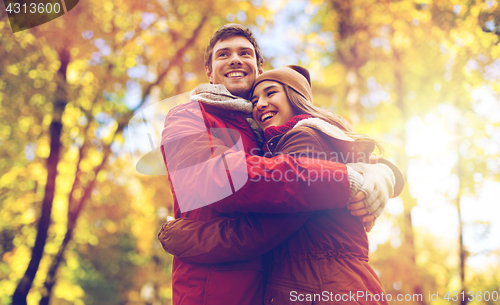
x=270 y=105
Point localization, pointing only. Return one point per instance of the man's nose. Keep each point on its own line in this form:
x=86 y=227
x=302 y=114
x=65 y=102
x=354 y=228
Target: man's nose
x=235 y=59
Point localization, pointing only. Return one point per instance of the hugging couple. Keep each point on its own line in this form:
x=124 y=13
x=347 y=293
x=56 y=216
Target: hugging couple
x=262 y=215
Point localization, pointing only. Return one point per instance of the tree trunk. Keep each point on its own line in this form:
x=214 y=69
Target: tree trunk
x=353 y=95
x=463 y=252
x=409 y=202
x=55 y=130
x=461 y=247
x=75 y=209
x=51 y=274
x=24 y=286
x=349 y=55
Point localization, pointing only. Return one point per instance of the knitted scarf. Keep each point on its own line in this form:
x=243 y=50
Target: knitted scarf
x=219 y=96
x=273 y=131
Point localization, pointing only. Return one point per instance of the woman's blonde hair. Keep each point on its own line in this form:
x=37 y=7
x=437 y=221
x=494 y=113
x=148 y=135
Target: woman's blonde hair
x=301 y=105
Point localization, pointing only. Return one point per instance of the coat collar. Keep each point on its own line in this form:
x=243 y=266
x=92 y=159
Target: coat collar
x=218 y=96
x=340 y=140
x=325 y=127
x=273 y=131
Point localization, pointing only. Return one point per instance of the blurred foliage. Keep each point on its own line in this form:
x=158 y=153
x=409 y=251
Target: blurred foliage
x=431 y=63
x=98 y=63
x=385 y=65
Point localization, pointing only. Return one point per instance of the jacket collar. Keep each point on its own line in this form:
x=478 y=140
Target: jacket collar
x=273 y=134
x=273 y=131
x=325 y=127
x=342 y=141
x=219 y=97
x=306 y=120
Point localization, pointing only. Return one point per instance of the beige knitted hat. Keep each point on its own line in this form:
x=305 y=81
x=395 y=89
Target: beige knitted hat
x=294 y=76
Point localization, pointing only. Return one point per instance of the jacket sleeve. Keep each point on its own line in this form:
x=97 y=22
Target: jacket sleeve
x=224 y=239
x=246 y=236
x=205 y=170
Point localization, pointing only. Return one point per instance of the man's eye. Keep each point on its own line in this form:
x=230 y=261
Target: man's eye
x=245 y=53
x=254 y=102
x=222 y=54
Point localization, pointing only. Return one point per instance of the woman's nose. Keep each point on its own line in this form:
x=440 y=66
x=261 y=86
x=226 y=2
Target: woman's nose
x=261 y=104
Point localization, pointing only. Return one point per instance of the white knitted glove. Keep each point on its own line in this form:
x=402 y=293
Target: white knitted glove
x=356 y=181
x=378 y=185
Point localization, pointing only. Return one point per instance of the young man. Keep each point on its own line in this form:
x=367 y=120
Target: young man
x=210 y=151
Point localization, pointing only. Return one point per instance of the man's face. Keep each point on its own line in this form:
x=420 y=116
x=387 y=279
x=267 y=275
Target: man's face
x=234 y=65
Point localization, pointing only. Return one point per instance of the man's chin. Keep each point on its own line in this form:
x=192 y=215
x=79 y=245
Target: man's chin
x=239 y=91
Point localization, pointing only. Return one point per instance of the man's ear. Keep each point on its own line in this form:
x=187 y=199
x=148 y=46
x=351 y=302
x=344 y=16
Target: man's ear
x=261 y=69
x=209 y=74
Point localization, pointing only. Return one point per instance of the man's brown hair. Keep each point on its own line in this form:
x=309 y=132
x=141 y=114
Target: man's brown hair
x=228 y=31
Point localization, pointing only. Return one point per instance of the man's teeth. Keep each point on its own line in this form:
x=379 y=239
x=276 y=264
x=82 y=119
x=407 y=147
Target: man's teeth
x=236 y=74
x=266 y=116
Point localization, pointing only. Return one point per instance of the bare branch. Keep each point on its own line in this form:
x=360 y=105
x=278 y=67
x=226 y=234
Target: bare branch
x=175 y=60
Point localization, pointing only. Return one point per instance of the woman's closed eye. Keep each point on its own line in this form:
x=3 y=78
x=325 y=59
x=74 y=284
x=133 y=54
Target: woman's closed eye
x=271 y=93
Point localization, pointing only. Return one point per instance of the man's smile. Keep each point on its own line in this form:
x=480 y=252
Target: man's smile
x=236 y=74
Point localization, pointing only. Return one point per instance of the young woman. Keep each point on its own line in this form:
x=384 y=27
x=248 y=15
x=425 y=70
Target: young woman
x=326 y=261
x=329 y=254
